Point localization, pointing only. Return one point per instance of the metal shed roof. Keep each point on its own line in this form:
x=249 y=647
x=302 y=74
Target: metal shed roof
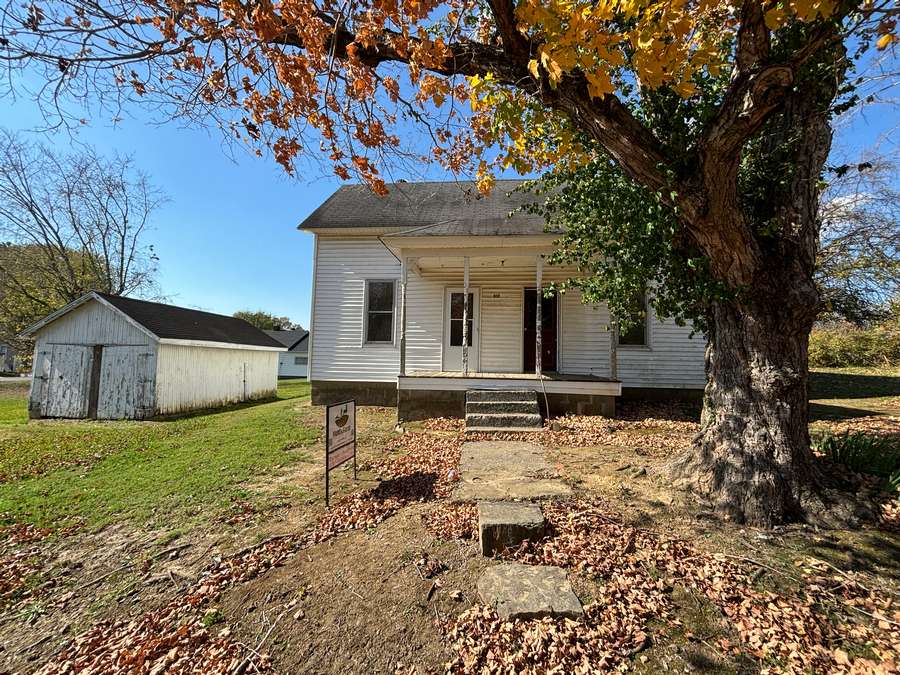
x=172 y=323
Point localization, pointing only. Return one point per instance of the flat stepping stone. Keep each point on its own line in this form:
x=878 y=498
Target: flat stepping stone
x=506 y=471
x=504 y=525
x=517 y=591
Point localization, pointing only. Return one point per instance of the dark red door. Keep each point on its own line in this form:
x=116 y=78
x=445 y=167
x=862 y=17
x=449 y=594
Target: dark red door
x=548 y=332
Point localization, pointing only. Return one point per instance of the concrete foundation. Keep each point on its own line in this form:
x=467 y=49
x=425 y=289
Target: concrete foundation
x=421 y=404
x=365 y=393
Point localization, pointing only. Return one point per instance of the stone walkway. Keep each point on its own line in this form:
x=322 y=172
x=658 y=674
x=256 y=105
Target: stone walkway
x=503 y=478
x=506 y=470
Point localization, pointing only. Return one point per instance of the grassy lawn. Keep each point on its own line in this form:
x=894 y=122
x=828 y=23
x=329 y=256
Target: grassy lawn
x=52 y=472
x=847 y=393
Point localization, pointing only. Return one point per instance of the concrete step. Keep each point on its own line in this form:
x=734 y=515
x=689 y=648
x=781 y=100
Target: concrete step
x=503 y=525
x=518 y=591
x=501 y=395
x=503 y=430
x=518 y=420
x=500 y=407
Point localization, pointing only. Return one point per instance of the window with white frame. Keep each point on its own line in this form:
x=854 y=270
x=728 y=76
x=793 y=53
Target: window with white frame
x=379 y=319
x=300 y=360
x=634 y=331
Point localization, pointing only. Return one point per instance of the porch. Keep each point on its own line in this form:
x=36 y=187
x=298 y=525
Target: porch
x=476 y=307
x=426 y=394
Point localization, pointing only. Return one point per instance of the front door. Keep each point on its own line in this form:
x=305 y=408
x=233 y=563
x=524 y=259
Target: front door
x=548 y=332
x=453 y=329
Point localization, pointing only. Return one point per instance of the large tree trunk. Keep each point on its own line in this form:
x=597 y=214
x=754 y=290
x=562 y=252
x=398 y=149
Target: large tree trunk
x=752 y=458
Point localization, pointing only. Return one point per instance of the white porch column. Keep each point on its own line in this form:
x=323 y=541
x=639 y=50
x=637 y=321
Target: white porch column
x=465 y=325
x=404 y=270
x=538 y=318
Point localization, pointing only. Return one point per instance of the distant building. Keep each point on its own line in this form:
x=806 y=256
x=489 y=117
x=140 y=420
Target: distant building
x=109 y=357
x=8 y=361
x=294 y=362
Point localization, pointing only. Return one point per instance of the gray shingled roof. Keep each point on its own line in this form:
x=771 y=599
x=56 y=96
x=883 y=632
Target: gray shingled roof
x=179 y=323
x=288 y=338
x=439 y=209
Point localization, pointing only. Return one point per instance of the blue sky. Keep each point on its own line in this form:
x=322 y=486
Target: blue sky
x=227 y=240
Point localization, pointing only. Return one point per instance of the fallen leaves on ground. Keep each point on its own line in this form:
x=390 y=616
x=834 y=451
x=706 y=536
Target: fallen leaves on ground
x=811 y=628
x=452 y=521
x=173 y=638
x=647 y=436
x=16 y=569
x=878 y=425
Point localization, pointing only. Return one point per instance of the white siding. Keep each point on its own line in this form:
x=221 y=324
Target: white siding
x=501 y=329
x=584 y=339
x=90 y=324
x=344 y=263
x=342 y=267
x=287 y=367
x=424 y=323
x=674 y=359
x=191 y=378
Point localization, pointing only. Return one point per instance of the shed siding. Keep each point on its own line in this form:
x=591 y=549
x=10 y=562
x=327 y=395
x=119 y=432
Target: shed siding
x=344 y=263
x=191 y=378
x=342 y=267
x=91 y=324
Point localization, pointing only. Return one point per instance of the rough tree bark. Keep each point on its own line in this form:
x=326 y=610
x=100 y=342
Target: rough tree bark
x=752 y=457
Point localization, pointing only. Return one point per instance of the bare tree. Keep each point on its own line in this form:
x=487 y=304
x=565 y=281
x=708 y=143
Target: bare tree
x=69 y=223
x=858 y=269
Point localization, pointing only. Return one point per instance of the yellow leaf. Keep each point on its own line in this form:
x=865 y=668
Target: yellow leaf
x=885 y=41
x=533 y=68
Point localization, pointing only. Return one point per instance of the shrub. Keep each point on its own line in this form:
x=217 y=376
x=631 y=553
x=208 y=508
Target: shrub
x=862 y=453
x=841 y=345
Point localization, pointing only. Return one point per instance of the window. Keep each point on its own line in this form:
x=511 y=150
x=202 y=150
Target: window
x=456 y=319
x=379 y=311
x=299 y=360
x=634 y=334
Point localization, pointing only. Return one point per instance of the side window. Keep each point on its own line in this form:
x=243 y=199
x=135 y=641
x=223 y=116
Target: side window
x=379 y=320
x=636 y=333
x=299 y=360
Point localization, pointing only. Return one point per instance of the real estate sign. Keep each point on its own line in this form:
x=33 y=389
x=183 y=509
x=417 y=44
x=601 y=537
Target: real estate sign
x=340 y=438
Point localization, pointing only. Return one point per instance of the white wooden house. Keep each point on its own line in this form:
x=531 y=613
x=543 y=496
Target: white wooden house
x=109 y=357
x=430 y=292
x=295 y=361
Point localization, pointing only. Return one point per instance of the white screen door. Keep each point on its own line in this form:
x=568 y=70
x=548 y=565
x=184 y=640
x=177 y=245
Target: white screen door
x=453 y=329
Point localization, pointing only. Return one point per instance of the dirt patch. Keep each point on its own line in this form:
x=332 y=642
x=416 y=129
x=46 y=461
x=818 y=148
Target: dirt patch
x=363 y=605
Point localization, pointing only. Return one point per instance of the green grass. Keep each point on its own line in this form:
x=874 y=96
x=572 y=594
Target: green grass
x=155 y=473
x=847 y=383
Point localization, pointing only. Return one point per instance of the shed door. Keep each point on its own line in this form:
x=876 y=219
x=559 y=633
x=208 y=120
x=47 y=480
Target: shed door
x=66 y=373
x=126 y=383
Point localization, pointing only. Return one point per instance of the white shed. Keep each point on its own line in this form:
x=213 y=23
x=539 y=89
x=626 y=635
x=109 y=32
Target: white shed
x=109 y=357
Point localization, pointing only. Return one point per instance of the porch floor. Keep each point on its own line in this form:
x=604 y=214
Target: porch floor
x=550 y=377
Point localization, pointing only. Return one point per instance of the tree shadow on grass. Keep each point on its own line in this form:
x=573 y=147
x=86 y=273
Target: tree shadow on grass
x=824 y=411
x=824 y=385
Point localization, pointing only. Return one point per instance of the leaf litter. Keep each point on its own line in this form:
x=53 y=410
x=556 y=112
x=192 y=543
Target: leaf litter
x=810 y=630
x=174 y=639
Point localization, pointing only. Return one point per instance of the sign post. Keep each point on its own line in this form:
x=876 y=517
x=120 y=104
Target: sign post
x=340 y=438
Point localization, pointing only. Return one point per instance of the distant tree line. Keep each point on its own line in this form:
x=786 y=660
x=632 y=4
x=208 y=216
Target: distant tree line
x=69 y=223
